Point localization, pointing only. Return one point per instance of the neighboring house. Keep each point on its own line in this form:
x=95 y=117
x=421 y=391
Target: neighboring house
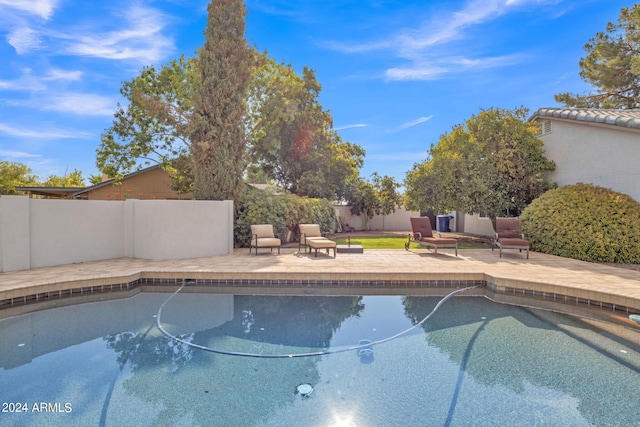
x=599 y=147
x=149 y=183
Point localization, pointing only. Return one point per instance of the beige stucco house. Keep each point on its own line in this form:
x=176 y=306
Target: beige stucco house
x=152 y=183
x=599 y=147
x=149 y=183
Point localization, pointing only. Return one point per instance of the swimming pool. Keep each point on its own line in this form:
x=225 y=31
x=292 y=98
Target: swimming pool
x=473 y=362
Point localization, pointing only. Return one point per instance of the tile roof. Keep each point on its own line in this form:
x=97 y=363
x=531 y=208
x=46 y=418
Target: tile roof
x=621 y=118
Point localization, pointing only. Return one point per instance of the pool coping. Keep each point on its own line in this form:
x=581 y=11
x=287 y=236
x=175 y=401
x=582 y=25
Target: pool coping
x=544 y=281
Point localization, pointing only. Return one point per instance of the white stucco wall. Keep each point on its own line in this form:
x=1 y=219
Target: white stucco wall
x=186 y=229
x=14 y=233
x=396 y=221
x=68 y=231
x=594 y=154
x=42 y=232
x=481 y=226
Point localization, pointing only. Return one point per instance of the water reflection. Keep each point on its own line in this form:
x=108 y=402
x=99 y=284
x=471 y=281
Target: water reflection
x=256 y=324
x=483 y=339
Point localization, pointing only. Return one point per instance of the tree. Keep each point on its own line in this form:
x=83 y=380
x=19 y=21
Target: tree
x=95 y=179
x=387 y=190
x=73 y=179
x=217 y=132
x=378 y=196
x=153 y=127
x=12 y=175
x=493 y=164
x=292 y=136
x=363 y=199
x=612 y=66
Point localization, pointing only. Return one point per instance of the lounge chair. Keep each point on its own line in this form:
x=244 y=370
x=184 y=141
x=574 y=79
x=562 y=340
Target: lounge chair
x=311 y=236
x=262 y=237
x=423 y=235
x=508 y=236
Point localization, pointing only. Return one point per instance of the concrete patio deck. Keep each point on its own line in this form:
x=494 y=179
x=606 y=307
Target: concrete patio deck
x=545 y=281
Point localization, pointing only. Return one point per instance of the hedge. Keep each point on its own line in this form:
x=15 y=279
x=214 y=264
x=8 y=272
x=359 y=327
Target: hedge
x=284 y=212
x=584 y=222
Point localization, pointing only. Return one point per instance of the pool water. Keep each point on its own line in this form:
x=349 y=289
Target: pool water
x=472 y=363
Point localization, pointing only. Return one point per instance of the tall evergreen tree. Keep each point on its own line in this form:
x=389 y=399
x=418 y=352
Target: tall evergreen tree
x=612 y=66
x=218 y=135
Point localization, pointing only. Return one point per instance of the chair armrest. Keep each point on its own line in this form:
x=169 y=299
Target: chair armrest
x=417 y=236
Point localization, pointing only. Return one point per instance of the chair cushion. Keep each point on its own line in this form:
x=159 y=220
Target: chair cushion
x=266 y=242
x=439 y=240
x=421 y=225
x=513 y=242
x=508 y=227
x=321 y=243
x=262 y=230
x=309 y=230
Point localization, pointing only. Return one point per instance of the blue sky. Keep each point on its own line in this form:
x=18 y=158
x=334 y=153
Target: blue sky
x=396 y=75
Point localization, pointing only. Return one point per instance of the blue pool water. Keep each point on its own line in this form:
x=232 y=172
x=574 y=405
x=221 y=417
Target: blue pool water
x=472 y=363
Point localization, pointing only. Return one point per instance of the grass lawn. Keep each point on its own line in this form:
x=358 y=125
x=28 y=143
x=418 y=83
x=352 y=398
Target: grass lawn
x=397 y=242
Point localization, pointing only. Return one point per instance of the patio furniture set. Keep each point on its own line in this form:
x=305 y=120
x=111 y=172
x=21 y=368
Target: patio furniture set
x=507 y=236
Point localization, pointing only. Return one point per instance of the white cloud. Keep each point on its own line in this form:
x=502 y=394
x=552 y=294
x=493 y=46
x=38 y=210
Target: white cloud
x=358 y=47
x=430 y=71
x=31 y=83
x=42 y=8
x=416 y=122
x=416 y=72
x=418 y=45
x=67 y=75
x=81 y=104
x=24 y=40
x=17 y=154
x=358 y=125
x=142 y=39
x=36 y=134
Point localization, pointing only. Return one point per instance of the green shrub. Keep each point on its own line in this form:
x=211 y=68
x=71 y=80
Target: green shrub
x=584 y=222
x=284 y=212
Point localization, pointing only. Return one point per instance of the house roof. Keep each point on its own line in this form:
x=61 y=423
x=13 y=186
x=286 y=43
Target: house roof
x=628 y=119
x=112 y=181
x=60 y=192
x=79 y=192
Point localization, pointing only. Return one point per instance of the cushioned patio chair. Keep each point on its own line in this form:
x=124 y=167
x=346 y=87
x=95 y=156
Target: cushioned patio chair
x=423 y=235
x=311 y=236
x=509 y=236
x=308 y=232
x=262 y=237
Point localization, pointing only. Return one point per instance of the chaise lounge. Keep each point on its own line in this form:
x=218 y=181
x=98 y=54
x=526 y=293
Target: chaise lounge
x=311 y=236
x=423 y=235
x=508 y=236
x=262 y=237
